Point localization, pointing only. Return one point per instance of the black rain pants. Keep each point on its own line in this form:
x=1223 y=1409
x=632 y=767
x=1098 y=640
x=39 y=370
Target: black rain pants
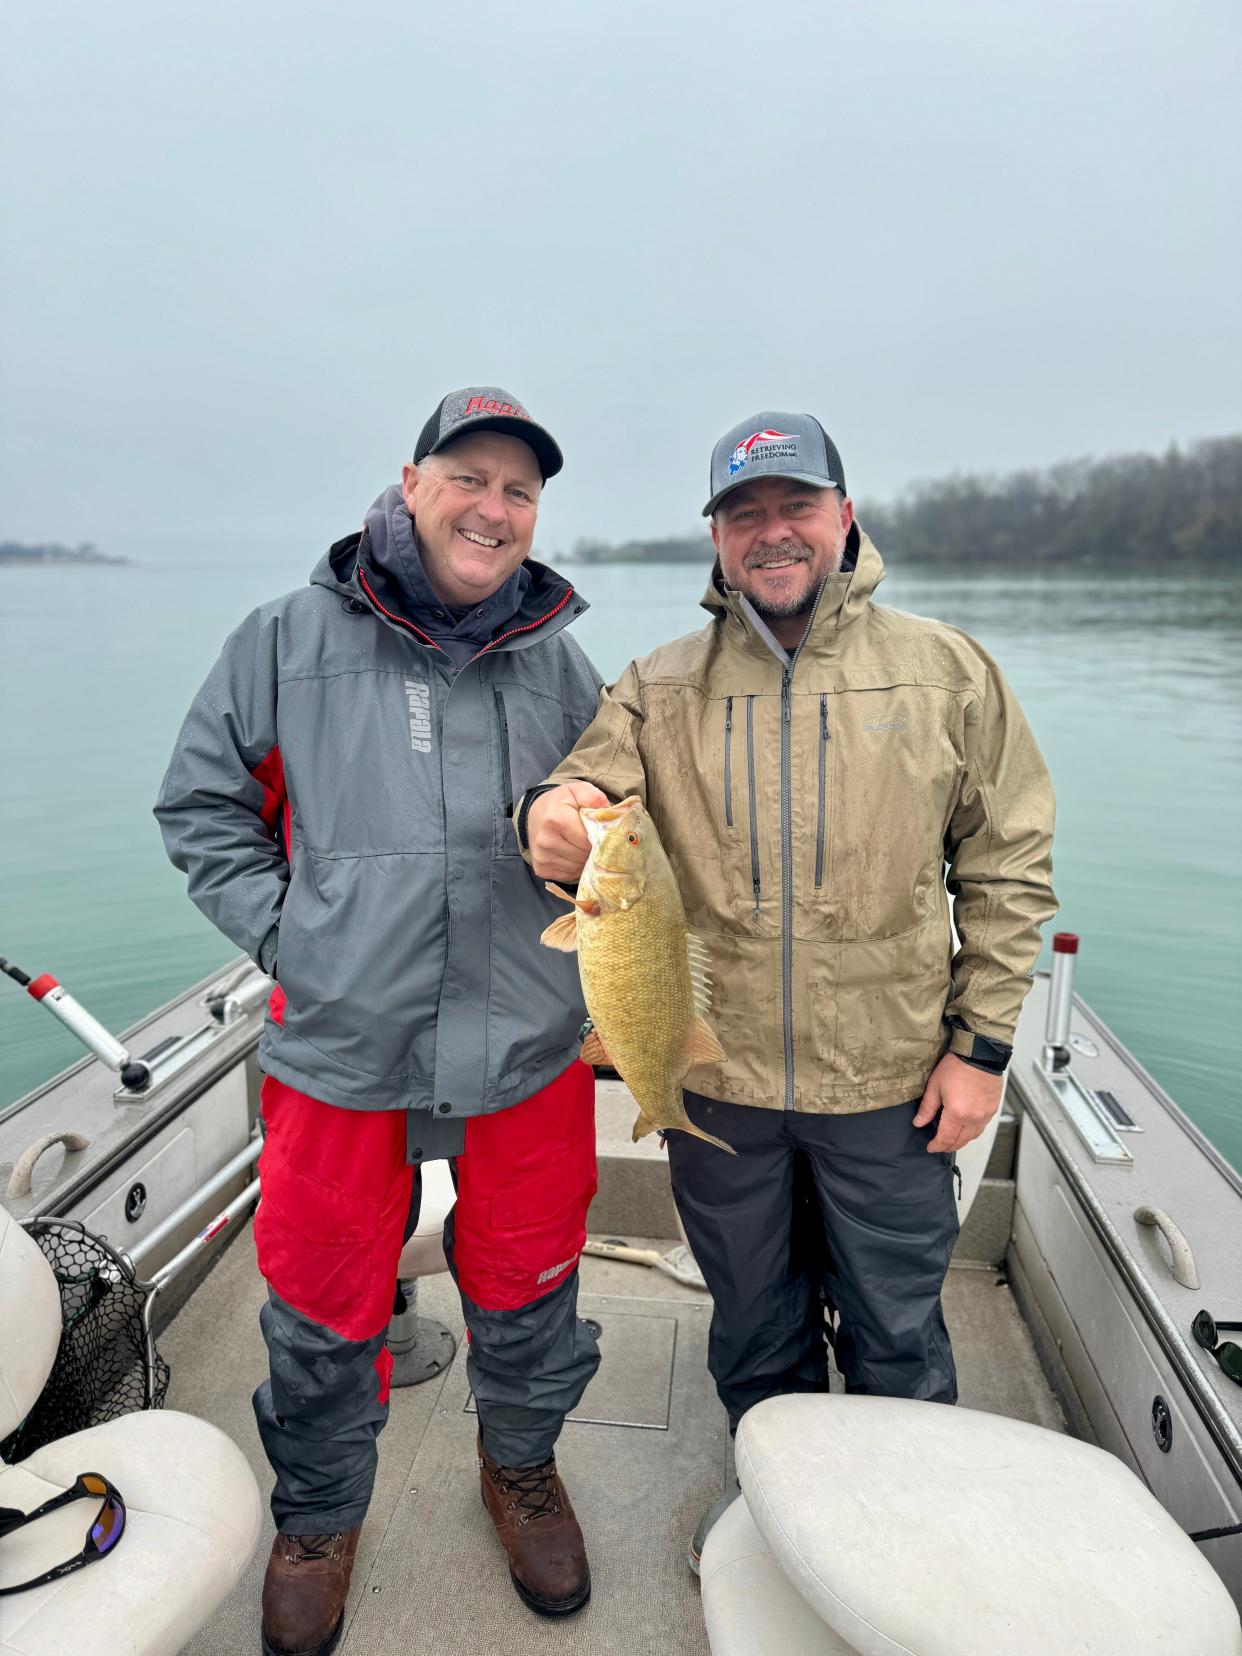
x=889 y=1222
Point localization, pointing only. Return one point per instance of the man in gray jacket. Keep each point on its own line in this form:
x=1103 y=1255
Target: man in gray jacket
x=340 y=797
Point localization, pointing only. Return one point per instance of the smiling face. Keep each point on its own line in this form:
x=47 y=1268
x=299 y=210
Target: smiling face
x=474 y=504
x=778 y=542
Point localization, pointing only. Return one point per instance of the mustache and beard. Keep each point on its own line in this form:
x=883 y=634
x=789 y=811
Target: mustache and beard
x=801 y=599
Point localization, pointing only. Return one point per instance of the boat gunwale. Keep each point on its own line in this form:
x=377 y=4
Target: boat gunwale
x=234 y=1045
x=1171 y=1107
x=79 y=1064
x=1195 y=1383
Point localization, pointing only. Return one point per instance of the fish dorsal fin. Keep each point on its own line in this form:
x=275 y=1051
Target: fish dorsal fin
x=700 y=973
x=562 y=934
x=704 y=1047
x=593 y=1051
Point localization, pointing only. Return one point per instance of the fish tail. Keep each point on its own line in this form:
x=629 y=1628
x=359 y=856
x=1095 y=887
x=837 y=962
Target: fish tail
x=697 y=1132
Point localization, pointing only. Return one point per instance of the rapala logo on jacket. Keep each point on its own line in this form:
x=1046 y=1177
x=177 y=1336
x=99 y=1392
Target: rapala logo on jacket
x=419 y=703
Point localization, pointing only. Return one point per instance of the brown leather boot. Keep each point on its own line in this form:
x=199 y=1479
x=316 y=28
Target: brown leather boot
x=537 y=1528
x=304 y=1592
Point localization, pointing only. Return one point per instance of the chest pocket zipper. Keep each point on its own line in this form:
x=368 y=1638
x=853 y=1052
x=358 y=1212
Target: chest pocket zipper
x=823 y=791
x=728 y=763
x=506 y=775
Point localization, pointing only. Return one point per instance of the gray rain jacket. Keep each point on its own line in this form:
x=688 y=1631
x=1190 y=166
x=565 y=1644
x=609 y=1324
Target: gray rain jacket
x=340 y=801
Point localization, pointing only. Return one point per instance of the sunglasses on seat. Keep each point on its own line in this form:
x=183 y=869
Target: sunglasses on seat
x=1227 y=1353
x=104 y=1533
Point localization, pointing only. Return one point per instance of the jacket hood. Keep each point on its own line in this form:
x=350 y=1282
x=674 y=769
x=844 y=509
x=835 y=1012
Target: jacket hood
x=844 y=597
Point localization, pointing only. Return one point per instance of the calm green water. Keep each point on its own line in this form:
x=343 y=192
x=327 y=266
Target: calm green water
x=1133 y=686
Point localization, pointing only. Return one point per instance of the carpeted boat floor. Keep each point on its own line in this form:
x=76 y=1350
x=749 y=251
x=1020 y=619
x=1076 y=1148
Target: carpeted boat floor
x=646 y=1453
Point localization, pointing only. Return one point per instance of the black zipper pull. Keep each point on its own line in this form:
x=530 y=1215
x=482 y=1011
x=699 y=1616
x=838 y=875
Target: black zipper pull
x=823 y=718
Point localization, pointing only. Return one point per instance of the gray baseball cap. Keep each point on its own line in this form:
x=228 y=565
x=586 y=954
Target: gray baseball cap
x=774 y=445
x=487 y=408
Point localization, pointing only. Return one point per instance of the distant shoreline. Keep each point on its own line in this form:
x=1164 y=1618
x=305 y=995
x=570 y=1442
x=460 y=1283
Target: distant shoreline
x=15 y=555
x=998 y=563
x=1130 y=511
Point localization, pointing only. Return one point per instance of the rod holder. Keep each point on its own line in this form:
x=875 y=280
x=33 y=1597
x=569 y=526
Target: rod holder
x=244 y=997
x=1060 y=1001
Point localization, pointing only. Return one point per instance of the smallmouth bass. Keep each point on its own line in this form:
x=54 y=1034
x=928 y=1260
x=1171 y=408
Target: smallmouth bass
x=644 y=977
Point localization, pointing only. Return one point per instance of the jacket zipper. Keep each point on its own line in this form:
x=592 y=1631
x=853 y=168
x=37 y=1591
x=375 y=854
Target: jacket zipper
x=787 y=852
x=399 y=619
x=787 y=878
x=754 y=815
x=728 y=768
x=529 y=627
x=506 y=775
x=823 y=767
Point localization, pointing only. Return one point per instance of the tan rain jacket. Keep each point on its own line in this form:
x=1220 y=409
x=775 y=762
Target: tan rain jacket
x=809 y=808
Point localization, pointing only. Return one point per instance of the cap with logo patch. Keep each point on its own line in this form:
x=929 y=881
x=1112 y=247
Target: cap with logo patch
x=774 y=445
x=487 y=408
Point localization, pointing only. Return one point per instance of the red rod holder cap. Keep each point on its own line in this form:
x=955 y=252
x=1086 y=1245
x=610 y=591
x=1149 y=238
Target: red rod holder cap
x=42 y=986
x=1065 y=943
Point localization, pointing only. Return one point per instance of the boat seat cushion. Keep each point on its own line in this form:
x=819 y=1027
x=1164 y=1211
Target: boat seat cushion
x=423 y=1253
x=916 y=1529
x=193 y=1517
x=750 y=1606
x=30 y=1321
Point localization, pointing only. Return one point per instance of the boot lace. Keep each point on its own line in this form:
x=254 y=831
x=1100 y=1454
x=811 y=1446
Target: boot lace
x=308 y=1547
x=534 y=1489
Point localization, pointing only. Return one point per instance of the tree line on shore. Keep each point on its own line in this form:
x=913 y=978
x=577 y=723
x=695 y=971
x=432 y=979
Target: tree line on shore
x=50 y=552
x=1184 y=506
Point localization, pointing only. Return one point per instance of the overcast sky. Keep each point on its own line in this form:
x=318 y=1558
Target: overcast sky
x=249 y=246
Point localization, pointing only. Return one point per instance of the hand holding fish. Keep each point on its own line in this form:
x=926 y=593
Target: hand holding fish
x=644 y=977
x=555 y=835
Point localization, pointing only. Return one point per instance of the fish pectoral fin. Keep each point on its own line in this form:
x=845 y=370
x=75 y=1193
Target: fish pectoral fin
x=704 y=1047
x=642 y=1126
x=593 y=1048
x=561 y=934
x=588 y=905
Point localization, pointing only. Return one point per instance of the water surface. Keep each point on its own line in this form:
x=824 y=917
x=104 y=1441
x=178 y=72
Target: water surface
x=1132 y=685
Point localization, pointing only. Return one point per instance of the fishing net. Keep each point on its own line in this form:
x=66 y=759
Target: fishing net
x=105 y=1365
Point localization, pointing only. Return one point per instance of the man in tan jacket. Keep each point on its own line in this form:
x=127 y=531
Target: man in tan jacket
x=825 y=773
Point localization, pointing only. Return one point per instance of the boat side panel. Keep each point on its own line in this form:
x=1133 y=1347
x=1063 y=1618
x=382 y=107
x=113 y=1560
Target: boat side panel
x=171 y=1167
x=1115 y=1361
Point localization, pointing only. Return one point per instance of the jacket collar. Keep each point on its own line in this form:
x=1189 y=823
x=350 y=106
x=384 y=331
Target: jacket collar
x=844 y=598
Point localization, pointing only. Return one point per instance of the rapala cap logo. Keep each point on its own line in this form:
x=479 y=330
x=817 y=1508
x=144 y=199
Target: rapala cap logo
x=489 y=405
x=741 y=453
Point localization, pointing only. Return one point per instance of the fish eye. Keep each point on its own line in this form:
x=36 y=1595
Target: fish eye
x=633 y=837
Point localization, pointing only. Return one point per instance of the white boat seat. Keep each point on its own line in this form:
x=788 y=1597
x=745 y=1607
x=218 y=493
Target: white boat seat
x=749 y=1604
x=423 y=1254
x=912 y=1529
x=193 y=1512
